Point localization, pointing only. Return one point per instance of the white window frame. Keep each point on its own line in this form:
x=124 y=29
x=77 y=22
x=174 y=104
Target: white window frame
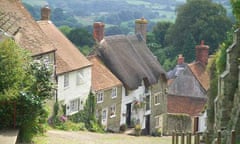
x=112 y=111
x=66 y=80
x=104 y=115
x=157 y=98
x=100 y=97
x=74 y=105
x=79 y=78
x=148 y=103
x=114 y=92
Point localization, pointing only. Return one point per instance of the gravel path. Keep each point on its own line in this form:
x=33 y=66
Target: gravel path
x=66 y=137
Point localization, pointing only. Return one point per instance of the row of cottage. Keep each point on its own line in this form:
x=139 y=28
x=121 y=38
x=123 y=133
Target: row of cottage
x=128 y=82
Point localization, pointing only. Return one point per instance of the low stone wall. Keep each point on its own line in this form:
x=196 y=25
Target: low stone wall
x=177 y=123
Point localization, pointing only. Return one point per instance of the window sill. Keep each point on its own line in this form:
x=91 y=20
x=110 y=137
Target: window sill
x=112 y=116
x=98 y=102
x=114 y=97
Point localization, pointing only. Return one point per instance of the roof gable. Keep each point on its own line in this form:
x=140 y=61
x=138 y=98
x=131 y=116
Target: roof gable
x=68 y=57
x=16 y=22
x=186 y=84
x=129 y=58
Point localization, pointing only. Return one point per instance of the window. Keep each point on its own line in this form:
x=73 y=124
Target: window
x=104 y=115
x=146 y=89
x=157 y=98
x=113 y=110
x=148 y=102
x=80 y=78
x=100 y=97
x=158 y=121
x=74 y=105
x=114 y=92
x=66 y=80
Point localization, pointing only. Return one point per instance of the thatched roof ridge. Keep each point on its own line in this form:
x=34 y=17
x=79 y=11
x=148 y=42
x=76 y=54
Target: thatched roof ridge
x=129 y=58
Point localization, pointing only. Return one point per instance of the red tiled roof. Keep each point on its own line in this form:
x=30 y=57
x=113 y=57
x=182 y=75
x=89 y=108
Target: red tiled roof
x=186 y=105
x=201 y=74
x=68 y=57
x=102 y=77
x=16 y=21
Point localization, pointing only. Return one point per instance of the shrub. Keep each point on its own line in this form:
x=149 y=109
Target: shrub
x=138 y=130
x=123 y=128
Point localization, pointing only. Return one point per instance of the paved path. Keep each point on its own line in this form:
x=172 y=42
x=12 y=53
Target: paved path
x=8 y=136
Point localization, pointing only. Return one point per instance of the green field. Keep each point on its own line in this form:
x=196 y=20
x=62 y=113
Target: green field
x=35 y=2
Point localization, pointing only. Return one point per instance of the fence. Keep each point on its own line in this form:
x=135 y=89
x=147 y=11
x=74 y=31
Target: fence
x=198 y=138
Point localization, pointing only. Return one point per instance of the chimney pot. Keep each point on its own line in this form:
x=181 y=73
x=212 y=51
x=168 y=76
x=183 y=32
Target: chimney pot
x=202 y=53
x=98 y=31
x=180 y=59
x=141 y=27
x=45 y=13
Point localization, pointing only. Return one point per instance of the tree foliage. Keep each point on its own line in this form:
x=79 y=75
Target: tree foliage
x=198 y=20
x=236 y=9
x=160 y=30
x=13 y=61
x=25 y=86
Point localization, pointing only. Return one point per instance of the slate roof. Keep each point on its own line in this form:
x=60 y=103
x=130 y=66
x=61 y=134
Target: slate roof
x=199 y=72
x=129 y=58
x=102 y=77
x=16 y=22
x=186 y=105
x=68 y=57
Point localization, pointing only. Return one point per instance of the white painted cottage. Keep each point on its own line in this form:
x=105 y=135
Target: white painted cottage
x=73 y=70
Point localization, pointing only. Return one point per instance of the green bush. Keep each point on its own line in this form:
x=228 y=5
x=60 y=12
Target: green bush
x=137 y=130
x=95 y=127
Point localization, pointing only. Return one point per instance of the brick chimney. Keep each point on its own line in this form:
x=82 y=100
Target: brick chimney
x=202 y=53
x=45 y=13
x=98 y=31
x=180 y=59
x=141 y=27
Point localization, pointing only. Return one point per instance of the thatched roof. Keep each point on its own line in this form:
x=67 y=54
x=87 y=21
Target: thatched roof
x=129 y=58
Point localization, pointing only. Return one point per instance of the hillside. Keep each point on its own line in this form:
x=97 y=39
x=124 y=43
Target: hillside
x=117 y=14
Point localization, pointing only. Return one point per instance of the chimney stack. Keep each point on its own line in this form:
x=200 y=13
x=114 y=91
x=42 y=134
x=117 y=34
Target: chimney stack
x=202 y=53
x=98 y=31
x=45 y=13
x=141 y=27
x=180 y=59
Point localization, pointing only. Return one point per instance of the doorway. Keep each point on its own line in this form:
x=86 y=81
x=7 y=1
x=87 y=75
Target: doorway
x=128 y=114
x=147 y=124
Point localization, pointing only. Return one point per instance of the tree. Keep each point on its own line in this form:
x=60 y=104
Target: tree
x=13 y=61
x=201 y=20
x=25 y=85
x=236 y=9
x=81 y=37
x=160 y=30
